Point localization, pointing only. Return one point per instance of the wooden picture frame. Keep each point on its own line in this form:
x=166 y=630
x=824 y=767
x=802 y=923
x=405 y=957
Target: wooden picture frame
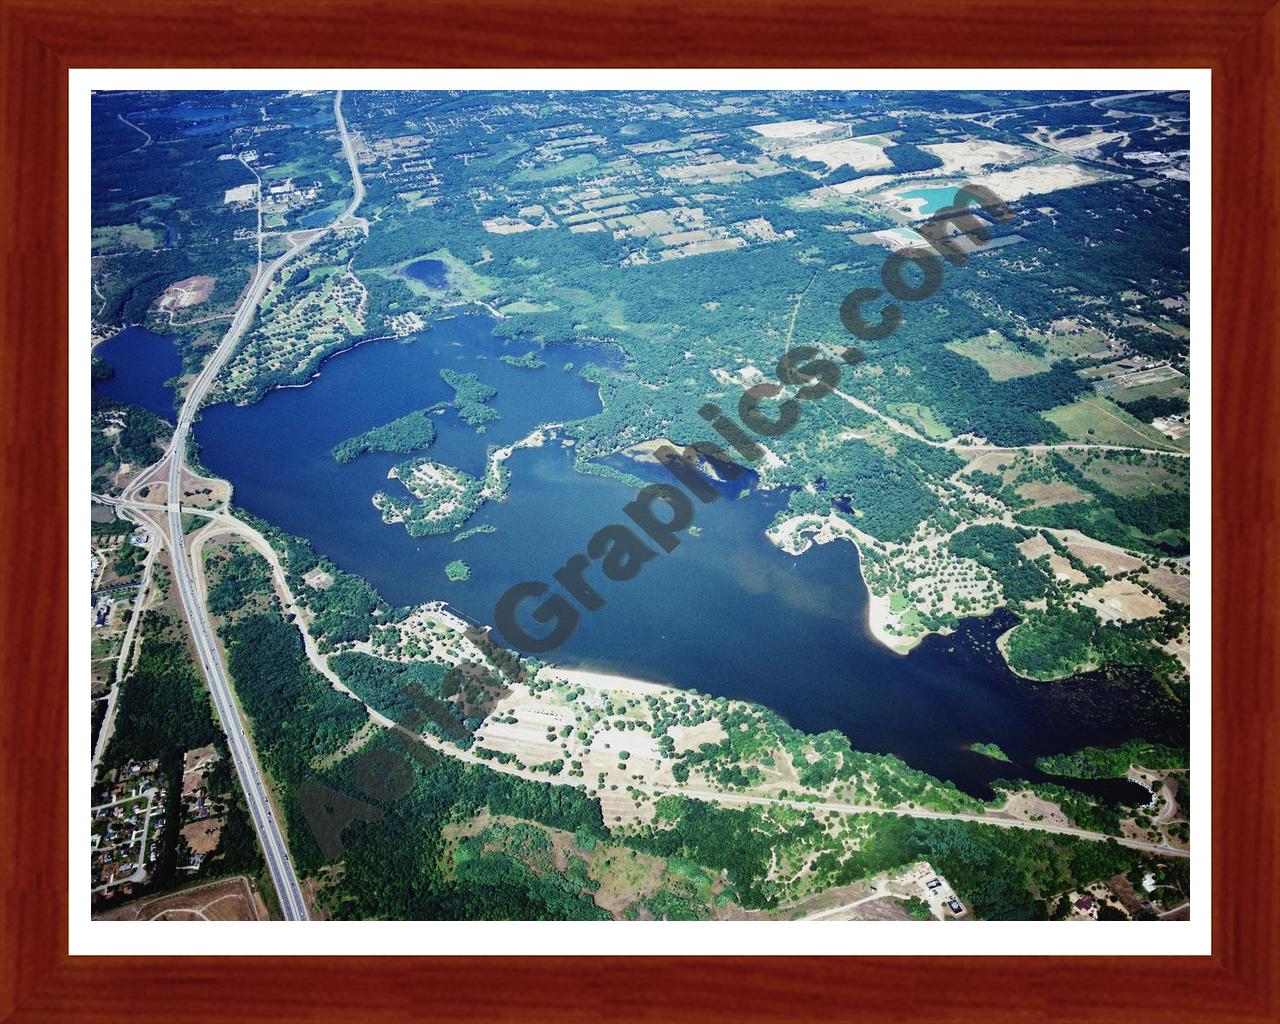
x=41 y=40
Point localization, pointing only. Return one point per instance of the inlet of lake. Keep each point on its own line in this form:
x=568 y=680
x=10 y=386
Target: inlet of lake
x=725 y=613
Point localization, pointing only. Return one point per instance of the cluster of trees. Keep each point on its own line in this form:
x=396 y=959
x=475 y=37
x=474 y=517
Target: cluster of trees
x=440 y=506
x=410 y=433
x=475 y=690
x=500 y=886
x=1114 y=762
x=298 y=718
x=470 y=397
x=1062 y=639
x=1151 y=407
x=163 y=709
x=1145 y=515
x=1108 y=240
x=1050 y=645
x=1085 y=811
x=996 y=548
x=346 y=610
x=388 y=295
x=139 y=442
x=528 y=361
x=409 y=692
x=241 y=576
x=237 y=850
x=393 y=869
x=457 y=571
x=907 y=157
x=738 y=842
x=889 y=778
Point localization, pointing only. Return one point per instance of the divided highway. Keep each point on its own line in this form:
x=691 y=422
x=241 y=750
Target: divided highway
x=248 y=770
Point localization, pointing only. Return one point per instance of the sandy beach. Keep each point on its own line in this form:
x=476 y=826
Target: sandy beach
x=604 y=681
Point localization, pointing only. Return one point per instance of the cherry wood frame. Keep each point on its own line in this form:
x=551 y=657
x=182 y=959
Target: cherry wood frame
x=41 y=39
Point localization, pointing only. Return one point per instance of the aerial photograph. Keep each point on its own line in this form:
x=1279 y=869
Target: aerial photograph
x=639 y=505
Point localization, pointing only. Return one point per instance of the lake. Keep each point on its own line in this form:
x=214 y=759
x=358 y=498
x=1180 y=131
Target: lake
x=142 y=362
x=429 y=272
x=725 y=613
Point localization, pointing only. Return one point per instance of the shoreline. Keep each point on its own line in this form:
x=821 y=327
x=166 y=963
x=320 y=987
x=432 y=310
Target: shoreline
x=786 y=537
x=597 y=680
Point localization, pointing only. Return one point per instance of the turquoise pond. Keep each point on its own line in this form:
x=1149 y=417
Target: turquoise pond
x=935 y=198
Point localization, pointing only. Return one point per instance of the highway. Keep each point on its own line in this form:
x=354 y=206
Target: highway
x=143 y=509
x=270 y=836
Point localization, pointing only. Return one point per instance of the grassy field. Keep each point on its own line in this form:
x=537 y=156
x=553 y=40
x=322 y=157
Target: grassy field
x=1064 y=345
x=1001 y=358
x=1169 y=387
x=921 y=417
x=1103 y=422
x=123 y=236
x=1133 y=478
x=568 y=168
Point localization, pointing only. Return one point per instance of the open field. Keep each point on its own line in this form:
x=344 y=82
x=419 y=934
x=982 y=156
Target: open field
x=1174 y=585
x=795 y=129
x=1107 y=557
x=190 y=291
x=571 y=167
x=1070 y=339
x=922 y=417
x=1001 y=358
x=1036 y=179
x=866 y=154
x=977 y=154
x=1124 y=477
x=1056 y=492
x=1103 y=422
x=227 y=900
x=1121 y=599
x=123 y=236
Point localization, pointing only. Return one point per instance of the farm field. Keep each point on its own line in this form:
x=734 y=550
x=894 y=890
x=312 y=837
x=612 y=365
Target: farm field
x=1100 y=421
x=1001 y=358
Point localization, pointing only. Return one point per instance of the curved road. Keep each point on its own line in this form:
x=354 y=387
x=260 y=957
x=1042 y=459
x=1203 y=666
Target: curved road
x=269 y=832
x=272 y=841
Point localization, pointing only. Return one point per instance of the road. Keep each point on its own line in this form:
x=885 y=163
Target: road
x=918 y=812
x=247 y=768
x=321 y=663
x=270 y=836
x=1000 y=111
x=122 y=661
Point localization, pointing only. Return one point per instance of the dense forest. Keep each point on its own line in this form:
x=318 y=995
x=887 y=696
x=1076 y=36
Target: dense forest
x=1113 y=762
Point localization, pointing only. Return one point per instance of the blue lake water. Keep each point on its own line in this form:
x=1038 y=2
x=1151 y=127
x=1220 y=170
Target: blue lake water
x=725 y=613
x=429 y=272
x=142 y=362
x=201 y=120
x=321 y=217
